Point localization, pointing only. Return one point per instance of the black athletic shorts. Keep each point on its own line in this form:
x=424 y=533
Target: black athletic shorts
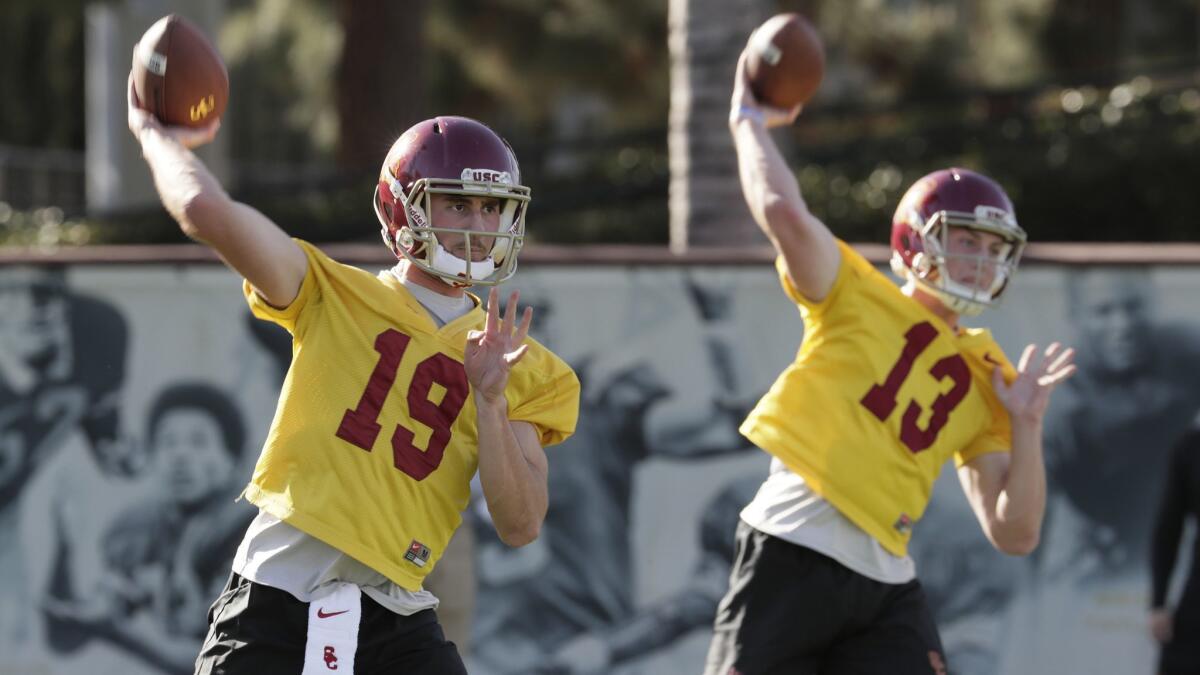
x=792 y=610
x=260 y=630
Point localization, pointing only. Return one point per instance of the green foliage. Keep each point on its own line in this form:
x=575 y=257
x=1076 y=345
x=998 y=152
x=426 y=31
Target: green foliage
x=1112 y=164
x=281 y=56
x=42 y=228
x=580 y=87
x=515 y=62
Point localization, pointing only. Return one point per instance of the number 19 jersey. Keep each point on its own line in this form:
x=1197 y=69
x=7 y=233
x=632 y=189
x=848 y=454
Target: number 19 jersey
x=881 y=393
x=374 y=440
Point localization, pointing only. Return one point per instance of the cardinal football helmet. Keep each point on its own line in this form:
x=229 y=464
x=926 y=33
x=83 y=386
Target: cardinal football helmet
x=454 y=156
x=920 y=230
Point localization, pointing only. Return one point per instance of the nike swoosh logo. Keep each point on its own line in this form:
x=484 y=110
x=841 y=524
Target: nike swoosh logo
x=987 y=356
x=322 y=614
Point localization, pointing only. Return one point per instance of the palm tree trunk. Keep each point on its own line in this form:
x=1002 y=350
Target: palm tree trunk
x=704 y=40
x=380 y=80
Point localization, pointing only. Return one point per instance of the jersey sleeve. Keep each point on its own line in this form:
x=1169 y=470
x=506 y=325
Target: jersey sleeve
x=548 y=399
x=289 y=317
x=851 y=268
x=997 y=435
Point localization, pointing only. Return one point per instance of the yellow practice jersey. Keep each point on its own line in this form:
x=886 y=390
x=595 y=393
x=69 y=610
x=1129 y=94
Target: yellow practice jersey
x=881 y=393
x=374 y=440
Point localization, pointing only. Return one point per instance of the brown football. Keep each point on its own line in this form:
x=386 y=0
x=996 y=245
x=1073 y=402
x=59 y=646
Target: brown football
x=178 y=75
x=786 y=61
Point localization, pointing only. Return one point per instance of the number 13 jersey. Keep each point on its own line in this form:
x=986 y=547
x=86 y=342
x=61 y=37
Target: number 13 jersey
x=374 y=440
x=881 y=393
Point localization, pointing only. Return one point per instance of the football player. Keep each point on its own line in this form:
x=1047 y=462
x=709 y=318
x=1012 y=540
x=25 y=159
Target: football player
x=402 y=385
x=886 y=386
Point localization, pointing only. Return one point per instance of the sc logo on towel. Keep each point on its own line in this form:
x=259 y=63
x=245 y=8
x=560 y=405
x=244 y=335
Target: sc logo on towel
x=330 y=658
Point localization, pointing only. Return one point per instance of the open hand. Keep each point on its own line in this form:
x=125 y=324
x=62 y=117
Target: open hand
x=1029 y=394
x=491 y=353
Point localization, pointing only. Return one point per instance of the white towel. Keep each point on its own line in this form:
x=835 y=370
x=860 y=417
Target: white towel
x=333 y=617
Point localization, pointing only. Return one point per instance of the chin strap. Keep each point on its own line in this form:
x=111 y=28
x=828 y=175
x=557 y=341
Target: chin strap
x=448 y=263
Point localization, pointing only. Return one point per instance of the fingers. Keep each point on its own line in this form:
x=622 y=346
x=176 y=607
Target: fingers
x=1057 y=377
x=193 y=138
x=131 y=92
x=493 y=311
x=137 y=117
x=778 y=117
x=1026 y=357
x=1047 y=355
x=510 y=313
x=739 y=75
x=1064 y=359
x=516 y=355
x=523 y=330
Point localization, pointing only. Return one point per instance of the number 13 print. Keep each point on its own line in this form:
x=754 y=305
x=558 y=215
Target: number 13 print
x=360 y=426
x=881 y=398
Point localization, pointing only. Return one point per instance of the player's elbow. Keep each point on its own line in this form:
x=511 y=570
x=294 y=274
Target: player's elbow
x=781 y=215
x=201 y=214
x=519 y=534
x=1018 y=542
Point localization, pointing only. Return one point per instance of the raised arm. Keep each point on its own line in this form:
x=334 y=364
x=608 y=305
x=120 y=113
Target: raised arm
x=246 y=240
x=806 y=245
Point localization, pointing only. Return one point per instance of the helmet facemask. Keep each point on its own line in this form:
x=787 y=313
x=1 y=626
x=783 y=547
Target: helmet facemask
x=930 y=265
x=416 y=240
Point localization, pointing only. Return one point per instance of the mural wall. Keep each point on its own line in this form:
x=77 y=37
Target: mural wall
x=133 y=400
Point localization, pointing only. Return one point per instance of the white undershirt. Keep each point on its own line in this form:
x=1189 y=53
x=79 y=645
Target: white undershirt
x=787 y=508
x=276 y=554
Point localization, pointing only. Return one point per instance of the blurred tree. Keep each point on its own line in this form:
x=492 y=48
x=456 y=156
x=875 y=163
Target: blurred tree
x=1039 y=92
x=580 y=88
x=1084 y=36
x=517 y=62
x=282 y=56
x=380 y=78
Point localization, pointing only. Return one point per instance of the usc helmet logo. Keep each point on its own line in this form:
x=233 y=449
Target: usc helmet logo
x=201 y=110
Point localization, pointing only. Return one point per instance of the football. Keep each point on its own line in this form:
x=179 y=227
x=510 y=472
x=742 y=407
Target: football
x=178 y=75
x=786 y=61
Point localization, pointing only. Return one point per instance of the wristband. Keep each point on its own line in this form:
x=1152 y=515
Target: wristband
x=746 y=112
